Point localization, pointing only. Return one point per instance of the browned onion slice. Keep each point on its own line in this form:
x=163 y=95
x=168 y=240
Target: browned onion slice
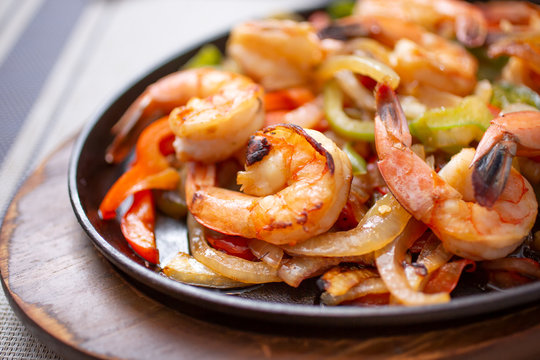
x=294 y=270
x=389 y=263
x=431 y=258
x=369 y=286
x=381 y=224
x=227 y=265
x=187 y=269
x=523 y=266
x=340 y=279
x=268 y=253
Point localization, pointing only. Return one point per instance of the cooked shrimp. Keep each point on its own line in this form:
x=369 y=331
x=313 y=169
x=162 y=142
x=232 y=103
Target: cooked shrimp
x=508 y=135
x=418 y=56
x=276 y=53
x=444 y=201
x=295 y=184
x=524 y=65
x=221 y=109
x=462 y=18
x=510 y=15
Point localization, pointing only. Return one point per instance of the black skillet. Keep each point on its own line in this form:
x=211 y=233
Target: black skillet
x=90 y=177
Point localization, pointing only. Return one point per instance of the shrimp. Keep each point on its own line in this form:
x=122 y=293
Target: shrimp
x=508 y=135
x=207 y=129
x=295 y=184
x=419 y=57
x=444 y=201
x=510 y=15
x=524 y=64
x=465 y=19
x=276 y=53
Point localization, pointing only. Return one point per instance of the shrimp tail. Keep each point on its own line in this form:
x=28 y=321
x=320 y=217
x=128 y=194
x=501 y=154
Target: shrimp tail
x=391 y=114
x=470 y=32
x=127 y=130
x=491 y=168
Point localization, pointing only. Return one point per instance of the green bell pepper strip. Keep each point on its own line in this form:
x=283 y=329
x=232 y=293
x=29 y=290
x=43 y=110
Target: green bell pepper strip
x=208 y=55
x=357 y=161
x=451 y=129
x=339 y=121
x=340 y=8
x=505 y=93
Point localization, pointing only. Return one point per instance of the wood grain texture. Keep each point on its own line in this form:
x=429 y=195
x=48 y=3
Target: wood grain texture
x=81 y=306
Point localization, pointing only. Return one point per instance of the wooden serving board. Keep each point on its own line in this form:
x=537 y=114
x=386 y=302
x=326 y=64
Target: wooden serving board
x=81 y=306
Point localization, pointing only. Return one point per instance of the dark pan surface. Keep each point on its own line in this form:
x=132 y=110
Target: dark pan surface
x=90 y=177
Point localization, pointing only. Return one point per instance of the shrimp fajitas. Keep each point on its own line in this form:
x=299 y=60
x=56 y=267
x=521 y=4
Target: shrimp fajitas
x=389 y=150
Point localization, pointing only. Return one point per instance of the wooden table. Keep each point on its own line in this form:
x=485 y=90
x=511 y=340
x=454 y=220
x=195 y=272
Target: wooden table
x=82 y=307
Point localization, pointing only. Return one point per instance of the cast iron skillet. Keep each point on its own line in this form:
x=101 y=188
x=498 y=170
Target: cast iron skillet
x=90 y=177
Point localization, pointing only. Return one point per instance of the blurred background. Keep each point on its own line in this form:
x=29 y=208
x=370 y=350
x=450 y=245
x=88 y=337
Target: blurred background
x=62 y=60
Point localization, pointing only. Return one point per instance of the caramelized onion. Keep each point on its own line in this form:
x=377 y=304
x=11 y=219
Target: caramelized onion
x=266 y=252
x=362 y=97
x=340 y=279
x=359 y=64
x=188 y=270
x=369 y=286
x=524 y=266
x=294 y=270
x=381 y=224
x=389 y=263
x=227 y=265
x=432 y=256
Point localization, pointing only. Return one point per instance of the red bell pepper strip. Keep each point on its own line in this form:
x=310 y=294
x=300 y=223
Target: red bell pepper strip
x=137 y=226
x=446 y=278
x=275 y=117
x=232 y=245
x=287 y=99
x=150 y=170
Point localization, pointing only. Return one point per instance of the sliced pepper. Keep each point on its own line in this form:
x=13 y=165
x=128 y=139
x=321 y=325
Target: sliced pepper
x=151 y=169
x=339 y=121
x=137 y=226
x=358 y=163
x=340 y=8
x=450 y=129
x=287 y=99
x=208 y=55
x=505 y=93
x=445 y=279
x=232 y=245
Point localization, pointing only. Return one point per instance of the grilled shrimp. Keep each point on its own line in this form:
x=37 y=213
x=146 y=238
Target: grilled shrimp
x=219 y=111
x=444 y=201
x=462 y=18
x=509 y=135
x=524 y=64
x=295 y=184
x=419 y=57
x=276 y=53
x=502 y=16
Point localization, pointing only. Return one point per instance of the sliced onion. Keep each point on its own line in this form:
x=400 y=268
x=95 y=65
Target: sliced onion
x=389 y=262
x=266 y=252
x=432 y=256
x=338 y=280
x=523 y=266
x=294 y=270
x=367 y=287
x=359 y=64
x=227 y=265
x=362 y=97
x=187 y=269
x=381 y=224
